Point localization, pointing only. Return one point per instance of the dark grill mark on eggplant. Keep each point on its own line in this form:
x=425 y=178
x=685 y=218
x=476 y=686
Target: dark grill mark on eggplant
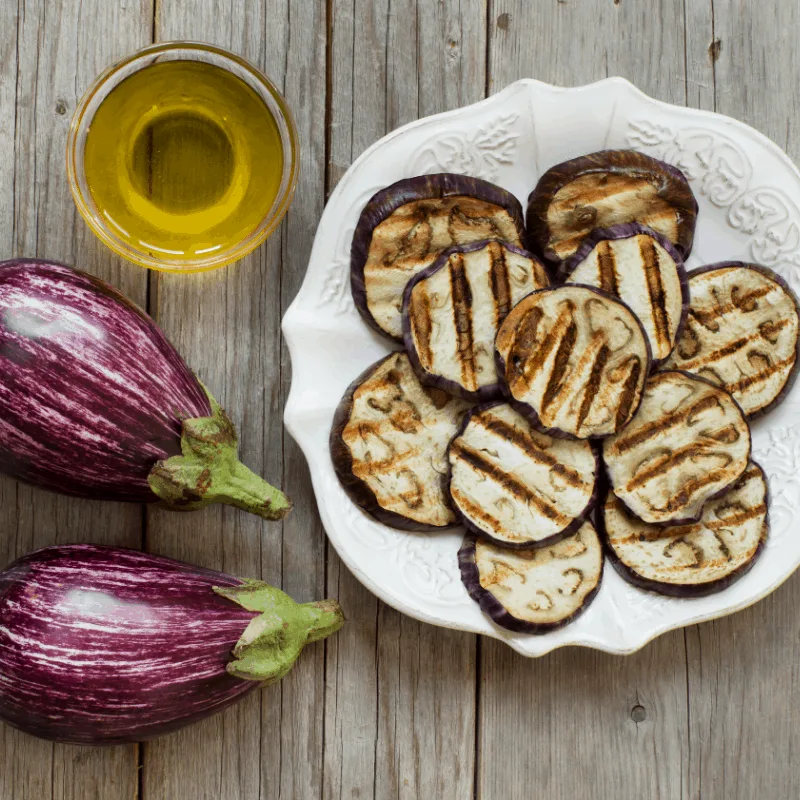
x=507 y=481
x=656 y=428
x=593 y=384
x=608 y=268
x=421 y=319
x=628 y=394
x=560 y=363
x=533 y=362
x=675 y=458
x=462 y=318
x=655 y=288
x=474 y=511
x=528 y=445
x=752 y=380
x=501 y=291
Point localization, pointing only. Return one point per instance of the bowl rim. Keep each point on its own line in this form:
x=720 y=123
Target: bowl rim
x=108 y=81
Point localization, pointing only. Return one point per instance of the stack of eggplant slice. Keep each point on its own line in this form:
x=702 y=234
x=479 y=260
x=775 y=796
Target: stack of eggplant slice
x=581 y=395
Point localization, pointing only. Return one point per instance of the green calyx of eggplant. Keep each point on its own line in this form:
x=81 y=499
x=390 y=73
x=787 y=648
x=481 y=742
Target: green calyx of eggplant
x=274 y=639
x=209 y=471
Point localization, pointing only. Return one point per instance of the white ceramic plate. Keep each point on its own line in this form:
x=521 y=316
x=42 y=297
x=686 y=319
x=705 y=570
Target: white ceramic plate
x=749 y=196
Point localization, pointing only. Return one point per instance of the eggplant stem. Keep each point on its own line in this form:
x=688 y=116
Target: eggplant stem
x=274 y=639
x=209 y=471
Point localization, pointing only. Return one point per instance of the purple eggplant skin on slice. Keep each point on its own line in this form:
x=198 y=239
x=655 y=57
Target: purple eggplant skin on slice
x=388 y=445
x=608 y=188
x=688 y=443
x=533 y=591
x=573 y=360
x=515 y=486
x=693 y=560
x=102 y=645
x=742 y=333
x=452 y=310
x=642 y=268
x=406 y=226
x=96 y=403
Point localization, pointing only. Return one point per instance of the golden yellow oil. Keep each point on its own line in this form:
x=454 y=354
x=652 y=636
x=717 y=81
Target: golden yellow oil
x=183 y=159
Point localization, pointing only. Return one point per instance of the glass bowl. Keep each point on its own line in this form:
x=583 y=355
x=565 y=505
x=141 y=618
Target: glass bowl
x=113 y=77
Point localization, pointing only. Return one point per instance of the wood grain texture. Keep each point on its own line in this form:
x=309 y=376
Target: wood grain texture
x=51 y=51
x=744 y=689
x=575 y=709
x=226 y=324
x=398 y=724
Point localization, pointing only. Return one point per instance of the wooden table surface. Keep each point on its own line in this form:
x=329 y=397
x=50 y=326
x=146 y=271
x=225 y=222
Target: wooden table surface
x=389 y=708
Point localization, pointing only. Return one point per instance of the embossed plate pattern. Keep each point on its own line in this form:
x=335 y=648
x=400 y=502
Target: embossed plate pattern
x=749 y=196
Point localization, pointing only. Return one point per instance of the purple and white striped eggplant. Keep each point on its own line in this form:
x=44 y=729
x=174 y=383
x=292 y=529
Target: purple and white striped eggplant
x=101 y=645
x=95 y=402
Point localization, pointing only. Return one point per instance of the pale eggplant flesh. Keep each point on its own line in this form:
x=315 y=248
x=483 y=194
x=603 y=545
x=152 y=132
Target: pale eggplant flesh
x=516 y=486
x=607 y=188
x=452 y=310
x=404 y=228
x=574 y=361
x=692 y=560
x=642 y=268
x=534 y=591
x=688 y=443
x=742 y=333
x=389 y=444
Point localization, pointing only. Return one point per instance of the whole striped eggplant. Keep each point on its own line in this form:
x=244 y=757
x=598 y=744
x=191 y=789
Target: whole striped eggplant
x=95 y=402
x=101 y=645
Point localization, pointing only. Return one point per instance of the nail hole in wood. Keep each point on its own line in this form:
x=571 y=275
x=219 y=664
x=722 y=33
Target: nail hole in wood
x=638 y=714
x=61 y=107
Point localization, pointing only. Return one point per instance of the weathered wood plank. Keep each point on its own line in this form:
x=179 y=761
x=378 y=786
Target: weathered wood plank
x=743 y=686
x=574 y=713
x=227 y=326
x=397 y=723
x=51 y=51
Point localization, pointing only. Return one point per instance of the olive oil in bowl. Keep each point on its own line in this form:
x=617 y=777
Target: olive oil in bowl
x=183 y=164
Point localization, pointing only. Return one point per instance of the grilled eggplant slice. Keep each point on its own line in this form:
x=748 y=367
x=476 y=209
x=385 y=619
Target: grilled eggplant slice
x=575 y=361
x=742 y=333
x=609 y=188
x=642 y=268
x=452 y=310
x=692 y=560
x=516 y=486
x=389 y=445
x=688 y=443
x=533 y=591
x=406 y=226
